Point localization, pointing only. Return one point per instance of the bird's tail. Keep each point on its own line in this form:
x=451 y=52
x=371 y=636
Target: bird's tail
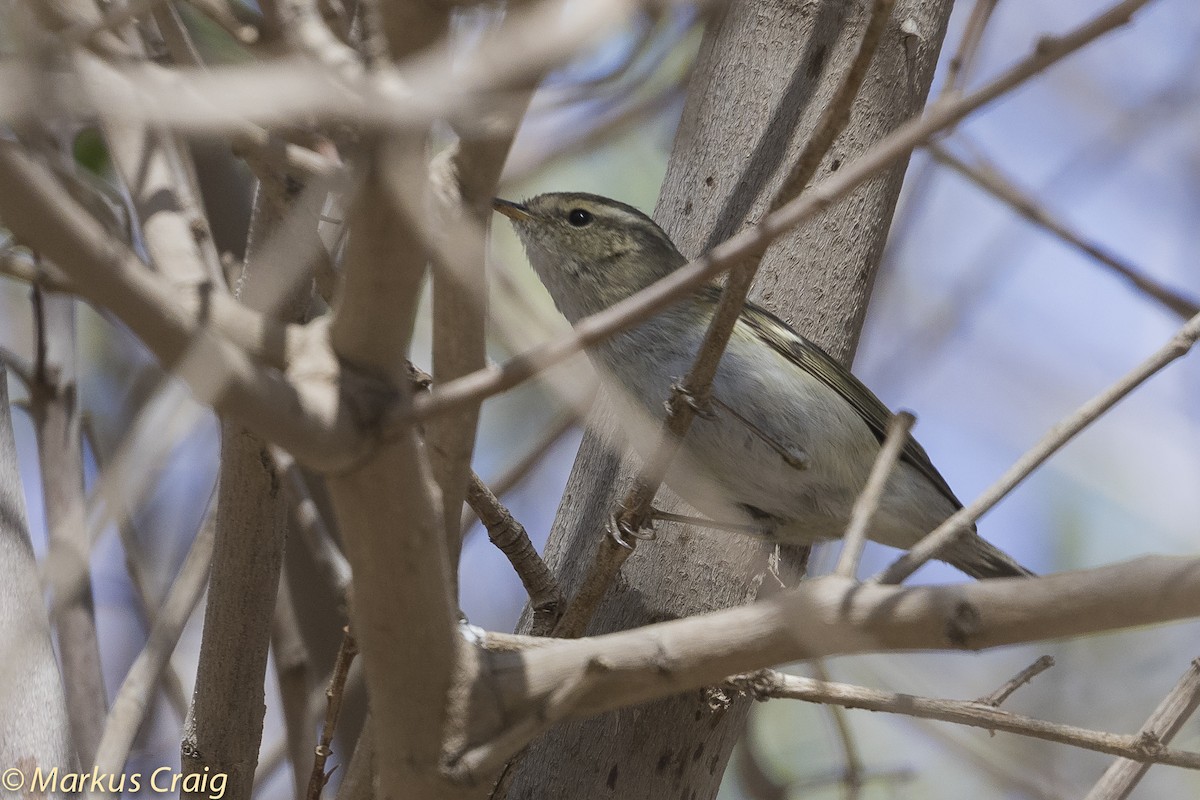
x=979 y=559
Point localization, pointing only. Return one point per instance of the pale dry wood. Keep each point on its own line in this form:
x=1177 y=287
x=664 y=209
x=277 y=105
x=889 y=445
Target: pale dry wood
x=834 y=616
x=156 y=169
x=988 y=177
x=1004 y=691
x=290 y=656
x=302 y=415
x=54 y=407
x=771 y=684
x=409 y=97
x=135 y=697
x=223 y=733
x=462 y=188
x=404 y=616
x=307 y=33
x=34 y=726
x=968 y=47
x=18 y=265
x=1123 y=775
x=868 y=499
x=509 y=535
x=333 y=699
x=1054 y=439
x=311 y=526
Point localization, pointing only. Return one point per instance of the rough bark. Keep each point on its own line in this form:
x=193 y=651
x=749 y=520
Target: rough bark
x=224 y=727
x=765 y=70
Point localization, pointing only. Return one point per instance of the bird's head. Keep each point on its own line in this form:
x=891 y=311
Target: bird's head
x=590 y=251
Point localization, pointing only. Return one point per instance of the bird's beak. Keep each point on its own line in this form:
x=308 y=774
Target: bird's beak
x=514 y=211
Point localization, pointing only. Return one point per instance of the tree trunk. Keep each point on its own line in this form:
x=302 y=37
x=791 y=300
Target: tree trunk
x=765 y=71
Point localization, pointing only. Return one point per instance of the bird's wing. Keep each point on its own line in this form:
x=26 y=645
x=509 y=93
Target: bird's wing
x=815 y=361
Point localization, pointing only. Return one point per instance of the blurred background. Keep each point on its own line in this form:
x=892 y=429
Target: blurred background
x=987 y=326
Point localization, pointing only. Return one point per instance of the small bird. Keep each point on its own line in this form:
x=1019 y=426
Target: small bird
x=791 y=436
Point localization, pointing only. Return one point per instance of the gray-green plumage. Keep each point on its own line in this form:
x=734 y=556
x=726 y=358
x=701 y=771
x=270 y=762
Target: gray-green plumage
x=793 y=435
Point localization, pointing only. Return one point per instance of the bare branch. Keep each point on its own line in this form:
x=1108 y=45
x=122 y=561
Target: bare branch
x=959 y=522
x=54 y=405
x=545 y=597
x=293 y=673
x=308 y=522
x=771 y=684
x=1016 y=682
x=1180 y=703
x=333 y=698
x=964 y=57
x=834 y=616
x=307 y=33
x=134 y=698
x=409 y=97
x=987 y=176
x=868 y=500
x=20 y=366
x=404 y=616
x=304 y=419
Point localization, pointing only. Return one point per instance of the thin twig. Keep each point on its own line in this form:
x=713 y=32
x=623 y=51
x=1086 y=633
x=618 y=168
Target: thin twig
x=510 y=537
x=217 y=371
x=292 y=671
x=132 y=701
x=545 y=597
x=653 y=299
x=868 y=500
x=334 y=696
x=852 y=774
x=18 y=264
x=1123 y=775
x=771 y=684
x=308 y=522
x=54 y=406
x=949 y=531
x=968 y=47
x=988 y=177
x=1023 y=677
x=17 y=364
x=139 y=579
x=518 y=470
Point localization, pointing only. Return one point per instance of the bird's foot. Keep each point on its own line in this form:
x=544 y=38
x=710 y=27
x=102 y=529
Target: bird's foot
x=700 y=406
x=623 y=532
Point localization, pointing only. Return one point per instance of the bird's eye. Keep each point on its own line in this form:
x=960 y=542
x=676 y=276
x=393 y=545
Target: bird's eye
x=579 y=218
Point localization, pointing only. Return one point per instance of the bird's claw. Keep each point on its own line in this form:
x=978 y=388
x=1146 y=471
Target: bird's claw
x=621 y=532
x=701 y=407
